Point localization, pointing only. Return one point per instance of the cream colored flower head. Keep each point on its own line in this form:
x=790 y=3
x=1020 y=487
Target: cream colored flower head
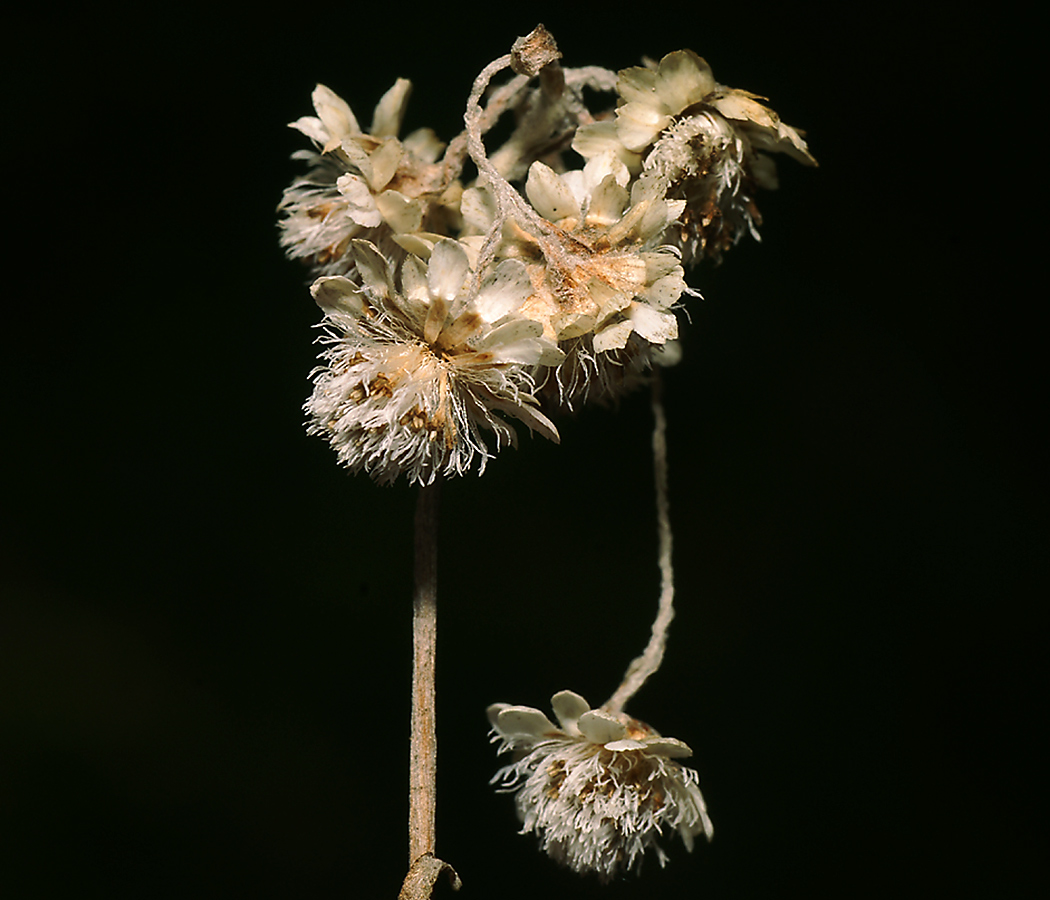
x=603 y=282
x=700 y=142
x=363 y=185
x=419 y=366
x=599 y=790
x=653 y=95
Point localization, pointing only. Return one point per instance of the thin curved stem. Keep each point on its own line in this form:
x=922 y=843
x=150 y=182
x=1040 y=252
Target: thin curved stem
x=645 y=665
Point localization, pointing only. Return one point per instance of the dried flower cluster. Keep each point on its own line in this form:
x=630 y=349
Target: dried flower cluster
x=452 y=310
x=601 y=789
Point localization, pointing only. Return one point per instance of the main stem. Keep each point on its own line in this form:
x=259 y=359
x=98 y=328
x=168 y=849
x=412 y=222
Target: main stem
x=424 y=866
x=422 y=783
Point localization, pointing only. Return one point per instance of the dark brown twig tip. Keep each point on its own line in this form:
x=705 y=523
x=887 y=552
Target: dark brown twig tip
x=531 y=53
x=421 y=878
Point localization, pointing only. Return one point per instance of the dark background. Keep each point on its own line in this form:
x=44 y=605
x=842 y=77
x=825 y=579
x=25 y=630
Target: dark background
x=205 y=624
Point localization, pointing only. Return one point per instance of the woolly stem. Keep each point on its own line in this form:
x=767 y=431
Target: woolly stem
x=645 y=665
x=424 y=866
x=422 y=791
x=509 y=203
x=507 y=199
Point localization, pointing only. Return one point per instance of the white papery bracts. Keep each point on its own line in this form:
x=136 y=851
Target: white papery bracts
x=365 y=185
x=597 y=254
x=599 y=790
x=697 y=141
x=604 y=283
x=418 y=364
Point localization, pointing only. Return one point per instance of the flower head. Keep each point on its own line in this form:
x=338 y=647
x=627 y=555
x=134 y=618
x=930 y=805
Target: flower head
x=699 y=142
x=598 y=789
x=362 y=185
x=418 y=365
x=604 y=283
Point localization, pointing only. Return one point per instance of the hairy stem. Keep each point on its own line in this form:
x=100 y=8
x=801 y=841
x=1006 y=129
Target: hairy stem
x=645 y=665
x=422 y=792
x=424 y=866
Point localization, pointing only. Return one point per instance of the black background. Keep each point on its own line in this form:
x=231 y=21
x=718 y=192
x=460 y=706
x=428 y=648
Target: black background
x=205 y=624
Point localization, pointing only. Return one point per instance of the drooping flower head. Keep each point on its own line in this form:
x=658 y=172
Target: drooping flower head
x=418 y=364
x=700 y=142
x=599 y=790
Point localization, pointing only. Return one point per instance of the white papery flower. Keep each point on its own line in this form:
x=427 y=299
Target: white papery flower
x=599 y=790
x=626 y=282
x=362 y=185
x=700 y=142
x=417 y=368
x=604 y=283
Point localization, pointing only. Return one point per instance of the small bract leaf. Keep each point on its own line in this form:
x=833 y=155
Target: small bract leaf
x=653 y=325
x=360 y=204
x=494 y=710
x=737 y=105
x=551 y=197
x=524 y=720
x=390 y=110
x=625 y=744
x=385 y=160
x=336 y=293
x=503 y=291
x=335 y=114
x=638 y=124
x=637 y=84
x=612 y=337
x=371 y=266
x=400 y=213
x=568 y=707
x=683 y=79
x=670 y=747
x=599 y=727
x=449 y=268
